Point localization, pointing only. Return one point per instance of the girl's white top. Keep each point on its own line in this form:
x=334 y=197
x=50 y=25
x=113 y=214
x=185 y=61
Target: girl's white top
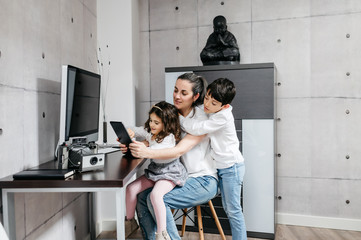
x=198 y=160
x=168 y=142
x=222 y=132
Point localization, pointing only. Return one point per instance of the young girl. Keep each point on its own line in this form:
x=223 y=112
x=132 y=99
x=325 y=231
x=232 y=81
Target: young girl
x=162 y=130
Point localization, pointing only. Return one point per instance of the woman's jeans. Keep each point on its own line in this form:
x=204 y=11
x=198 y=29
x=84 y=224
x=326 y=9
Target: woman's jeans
x=230 y=182
x=196 y=191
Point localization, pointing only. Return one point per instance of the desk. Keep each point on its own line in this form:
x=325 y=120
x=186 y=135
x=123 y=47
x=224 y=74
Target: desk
x=117 y=171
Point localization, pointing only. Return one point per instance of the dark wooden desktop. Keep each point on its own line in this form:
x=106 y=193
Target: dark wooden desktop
x=118 y=170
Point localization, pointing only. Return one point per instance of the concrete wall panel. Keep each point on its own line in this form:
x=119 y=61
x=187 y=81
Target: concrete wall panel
x=286 y=43
x=52 y=229
x=41 y=111
x=293 y=139
x=75 y=217
x=91 y=6
x=19 y=199
x=10 y=42
x=279 y=9
x=142 y=113
x=41 y=45
x=172 y=14
x=90 y=41
x=235 y=11
x=72 y=33
x=37 y=214
x=295 y=194
x=12 y=137
x=332 y=141
x=143 y=15
x=327 y=197
x=31 y=132
x=68 y=197
x=350 y=208
x=334 y=48
x=143 y=87
x=326 y=7
x=178 y=48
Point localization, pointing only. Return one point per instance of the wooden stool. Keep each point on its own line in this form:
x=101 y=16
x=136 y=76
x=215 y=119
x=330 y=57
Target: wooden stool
x=200 y=222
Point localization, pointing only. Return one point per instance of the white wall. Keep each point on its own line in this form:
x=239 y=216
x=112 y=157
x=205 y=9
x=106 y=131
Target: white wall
x=118 y=38
x=115 y=39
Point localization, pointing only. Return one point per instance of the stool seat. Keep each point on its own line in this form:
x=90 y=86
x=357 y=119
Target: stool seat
x=200 y=222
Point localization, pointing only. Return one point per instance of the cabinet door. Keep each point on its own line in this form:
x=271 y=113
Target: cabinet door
x=170 y=79
x=259 y=178
x=254 y=91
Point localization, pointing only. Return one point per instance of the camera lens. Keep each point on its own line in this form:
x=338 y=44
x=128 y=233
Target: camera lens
x=93 y=160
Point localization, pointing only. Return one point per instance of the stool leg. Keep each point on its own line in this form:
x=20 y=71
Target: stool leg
x=200 y=223
x=184 y=222
x=216 y=220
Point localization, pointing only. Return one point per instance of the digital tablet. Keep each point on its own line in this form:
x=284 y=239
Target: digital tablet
x=121 y=132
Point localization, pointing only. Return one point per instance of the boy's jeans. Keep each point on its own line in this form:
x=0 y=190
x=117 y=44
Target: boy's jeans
x=230 y=182
x=194 y=192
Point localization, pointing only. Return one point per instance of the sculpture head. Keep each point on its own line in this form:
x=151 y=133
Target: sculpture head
x=220 y=25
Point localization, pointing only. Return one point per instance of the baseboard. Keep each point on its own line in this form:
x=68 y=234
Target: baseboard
x=103 y=226
x=320 y=222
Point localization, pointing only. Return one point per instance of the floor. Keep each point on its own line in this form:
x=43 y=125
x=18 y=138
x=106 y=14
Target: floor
x=283 y=232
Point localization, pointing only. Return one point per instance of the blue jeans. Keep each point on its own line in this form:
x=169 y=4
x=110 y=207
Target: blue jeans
x=194 y=192
x=230 y=183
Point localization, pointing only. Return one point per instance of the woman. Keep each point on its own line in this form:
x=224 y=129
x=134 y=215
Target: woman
x=201 y=185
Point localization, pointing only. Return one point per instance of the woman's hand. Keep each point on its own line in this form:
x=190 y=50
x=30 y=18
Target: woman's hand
x=139 y=150
x=146 y=143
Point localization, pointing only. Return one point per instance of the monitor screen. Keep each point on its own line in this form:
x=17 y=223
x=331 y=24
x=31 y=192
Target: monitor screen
x=80 y=104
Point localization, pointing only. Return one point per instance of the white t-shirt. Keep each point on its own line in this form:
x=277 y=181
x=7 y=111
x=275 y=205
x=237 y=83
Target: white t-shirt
x=198 y=160
x=168 y=141
x=222 y=132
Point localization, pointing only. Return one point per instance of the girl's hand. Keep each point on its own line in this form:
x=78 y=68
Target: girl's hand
x=123 y=147
x=131 y=133
x=138 y=149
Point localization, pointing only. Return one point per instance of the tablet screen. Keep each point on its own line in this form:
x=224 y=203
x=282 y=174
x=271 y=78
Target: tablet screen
x=121 y=132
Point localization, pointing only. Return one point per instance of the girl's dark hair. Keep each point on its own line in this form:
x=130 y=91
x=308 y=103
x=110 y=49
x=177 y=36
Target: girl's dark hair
x=199 y=85
x=168 y=113
x=223 y=90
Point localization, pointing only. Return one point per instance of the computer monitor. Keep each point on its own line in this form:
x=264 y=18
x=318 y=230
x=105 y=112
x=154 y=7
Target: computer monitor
x=80 y=104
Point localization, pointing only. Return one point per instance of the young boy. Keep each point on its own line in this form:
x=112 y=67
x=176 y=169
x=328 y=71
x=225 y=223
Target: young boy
x=224 y=149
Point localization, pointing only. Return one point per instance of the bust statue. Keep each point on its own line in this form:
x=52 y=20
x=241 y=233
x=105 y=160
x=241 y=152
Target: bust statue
x=221 y=46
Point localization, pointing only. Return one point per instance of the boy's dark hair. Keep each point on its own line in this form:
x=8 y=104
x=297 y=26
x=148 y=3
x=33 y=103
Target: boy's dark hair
x=223 y=90
x=168 y=113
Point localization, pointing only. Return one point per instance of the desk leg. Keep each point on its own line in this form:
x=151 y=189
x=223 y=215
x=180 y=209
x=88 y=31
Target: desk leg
x=9 y=213
x=120 y=213
x=91 y=215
